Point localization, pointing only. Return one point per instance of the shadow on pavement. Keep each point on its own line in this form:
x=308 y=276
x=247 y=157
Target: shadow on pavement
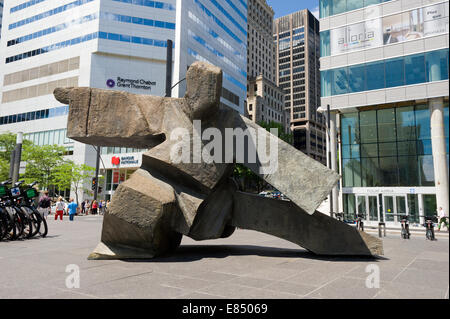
x=187 y=253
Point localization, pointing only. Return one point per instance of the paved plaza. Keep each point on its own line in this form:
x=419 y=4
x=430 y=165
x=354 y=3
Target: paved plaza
x=245 y=266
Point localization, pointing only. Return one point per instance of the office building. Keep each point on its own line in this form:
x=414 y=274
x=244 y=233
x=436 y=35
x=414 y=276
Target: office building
x=213 y=31
x=107 y=44
x=297 y=43
x=384 y=71
x=1 y=16
x=265 y=100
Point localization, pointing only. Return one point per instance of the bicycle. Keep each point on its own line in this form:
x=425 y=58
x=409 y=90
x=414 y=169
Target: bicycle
x=404 y=220
x=12 y=225
x=22 y=221
x=26 y=203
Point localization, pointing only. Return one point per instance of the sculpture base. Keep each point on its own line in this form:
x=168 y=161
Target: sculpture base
x=113 y=252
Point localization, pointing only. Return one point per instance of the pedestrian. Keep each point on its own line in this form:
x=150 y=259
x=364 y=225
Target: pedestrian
x=443 y=219
x=44 y=204
x=107 y=206
x=83 y=203
x=72 y=209
x=60 y=206
x=87 y=206
x=100 y=207
x=94 y=207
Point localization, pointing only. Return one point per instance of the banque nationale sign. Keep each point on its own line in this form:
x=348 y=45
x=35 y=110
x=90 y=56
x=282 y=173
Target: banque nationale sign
x=140 y=84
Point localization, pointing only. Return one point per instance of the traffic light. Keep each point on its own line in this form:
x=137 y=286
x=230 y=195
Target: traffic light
x=94 y=183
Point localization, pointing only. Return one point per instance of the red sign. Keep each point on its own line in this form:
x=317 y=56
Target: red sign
x=115 y=160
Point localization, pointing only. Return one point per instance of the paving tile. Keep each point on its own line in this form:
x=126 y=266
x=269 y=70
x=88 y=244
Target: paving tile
x=345 y=288
x=407 y=291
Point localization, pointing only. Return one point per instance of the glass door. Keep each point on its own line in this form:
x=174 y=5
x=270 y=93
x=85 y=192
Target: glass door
x=361 y=206
x=389 y=209
x=401 y=207
x=373 y=208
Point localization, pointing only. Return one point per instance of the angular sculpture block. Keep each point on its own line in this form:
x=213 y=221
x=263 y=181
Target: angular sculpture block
x=166 y=199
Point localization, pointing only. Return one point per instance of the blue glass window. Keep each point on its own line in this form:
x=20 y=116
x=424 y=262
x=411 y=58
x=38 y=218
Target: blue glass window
x=325 y=49
x=339 y=82
x=415 y=69
x=437 y=65
x=325 y=83
x=356 y=79
x=395 y=73
x=375 y=75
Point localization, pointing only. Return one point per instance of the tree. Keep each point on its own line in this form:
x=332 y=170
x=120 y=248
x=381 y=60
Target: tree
x=72 y=176
x=4 y=169
x=42 y=163
x=246 y=179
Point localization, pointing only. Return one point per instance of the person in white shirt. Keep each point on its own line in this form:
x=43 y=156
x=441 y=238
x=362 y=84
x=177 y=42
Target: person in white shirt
x=60 y=206
x=443 y=219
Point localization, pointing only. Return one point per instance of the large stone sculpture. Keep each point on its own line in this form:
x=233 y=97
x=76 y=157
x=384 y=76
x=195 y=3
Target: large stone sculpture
x=166 y=198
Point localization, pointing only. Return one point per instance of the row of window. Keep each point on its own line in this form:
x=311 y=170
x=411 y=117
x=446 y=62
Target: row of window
x=88 y=37
x=226 y=76
x=225 y=13
x=407 y=70
x=331 y=7
x=58 y=137
x=206 y=45
x=406 y=26
x=137 y=20
x=50 y=30
x=25 y=5
x=49 y=13
x=389 y=147
x=219 y=22
x=239 y=12
x=211 y=32
x=151 y=4
x=35 y=115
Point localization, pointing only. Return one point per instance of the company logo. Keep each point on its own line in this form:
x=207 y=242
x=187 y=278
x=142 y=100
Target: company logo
x=110 y=83
x=115 y=160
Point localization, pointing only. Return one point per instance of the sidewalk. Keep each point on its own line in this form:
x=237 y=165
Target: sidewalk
x=247 y=265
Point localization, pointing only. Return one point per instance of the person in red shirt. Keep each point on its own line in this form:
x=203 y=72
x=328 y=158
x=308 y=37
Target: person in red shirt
x=94 y=207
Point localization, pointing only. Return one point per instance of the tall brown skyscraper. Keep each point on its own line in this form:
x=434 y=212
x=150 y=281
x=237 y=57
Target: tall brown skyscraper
x=264 y=98
x=297 y=53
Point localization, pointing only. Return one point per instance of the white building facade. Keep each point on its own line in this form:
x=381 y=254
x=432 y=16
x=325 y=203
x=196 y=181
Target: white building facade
x=107 y=44
x=384 y=74
x=213 y=31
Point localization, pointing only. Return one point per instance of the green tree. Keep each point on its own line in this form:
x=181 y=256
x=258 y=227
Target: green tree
x=72 y=176
x=246 y=179
x=42 y=163
x=4 y=169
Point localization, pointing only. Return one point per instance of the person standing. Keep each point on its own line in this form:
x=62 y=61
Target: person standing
x=94 y=207
x=83 y=203
x=87 y=207
x=443 y=219
x=100 y=207
x=44 y=204
x=60 y=206
x=72 y=209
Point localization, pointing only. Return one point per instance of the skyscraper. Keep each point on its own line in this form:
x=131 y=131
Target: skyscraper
x=297 y=43
x=213 y=31
x=1 y=16
x=264 y=98
x=107 y=44
x=384 y=70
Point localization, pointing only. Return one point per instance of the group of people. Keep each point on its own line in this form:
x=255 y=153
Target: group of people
x=94 y=207
x=87 y=207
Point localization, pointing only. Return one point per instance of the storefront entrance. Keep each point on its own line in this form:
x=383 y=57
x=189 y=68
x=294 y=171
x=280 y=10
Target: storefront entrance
x=389 y=206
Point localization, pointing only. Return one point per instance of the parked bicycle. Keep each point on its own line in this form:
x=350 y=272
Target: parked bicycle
x=19 y=217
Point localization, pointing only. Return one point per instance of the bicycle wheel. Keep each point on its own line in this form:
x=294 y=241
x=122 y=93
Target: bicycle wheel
x=27 y=224
x=33 y=218
x=17 y=227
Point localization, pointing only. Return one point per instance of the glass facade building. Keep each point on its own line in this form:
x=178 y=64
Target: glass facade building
x=384 y=74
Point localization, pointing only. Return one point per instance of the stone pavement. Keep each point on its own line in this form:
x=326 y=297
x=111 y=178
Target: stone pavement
x=247 y=265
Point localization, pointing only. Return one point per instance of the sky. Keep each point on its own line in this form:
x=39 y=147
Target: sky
x=285 y=7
